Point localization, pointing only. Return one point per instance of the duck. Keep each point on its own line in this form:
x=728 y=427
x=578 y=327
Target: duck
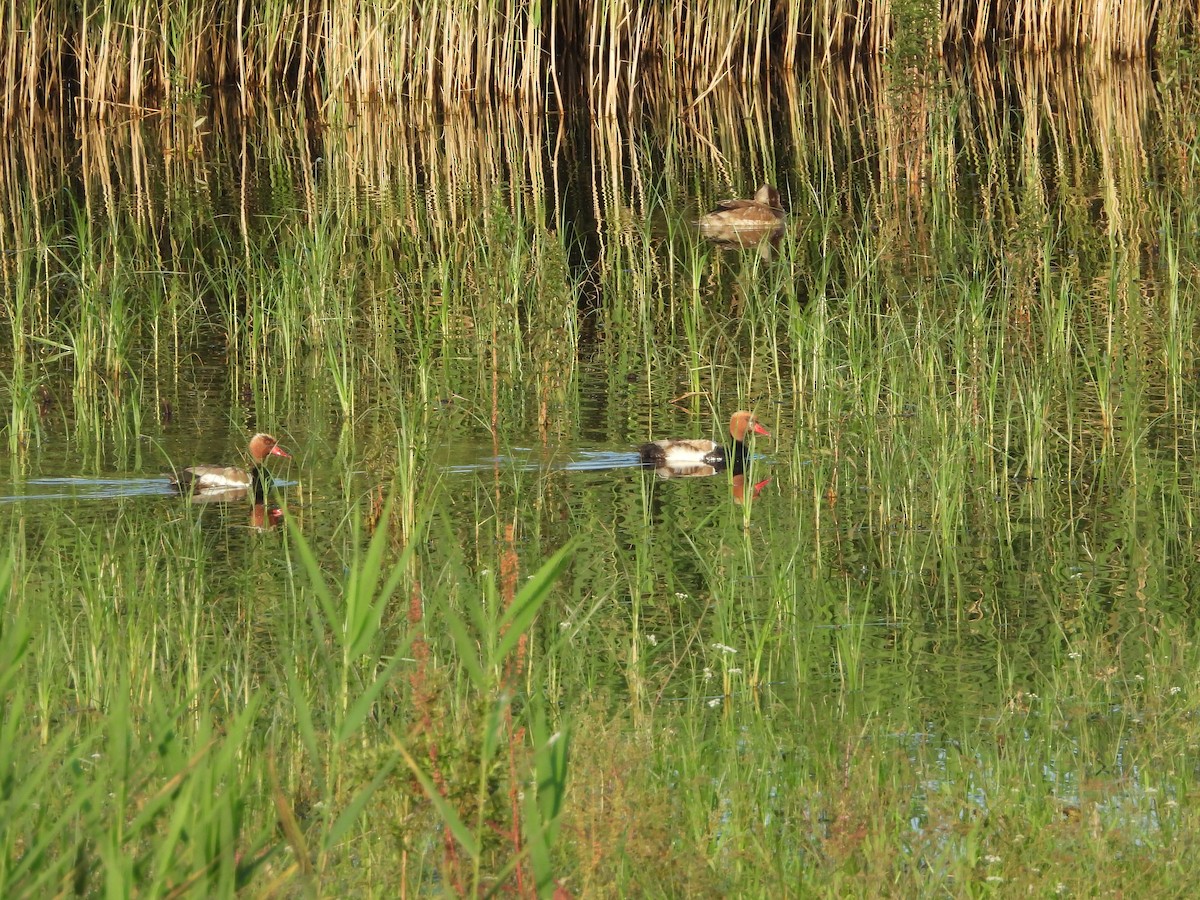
x=689 y=457
x=745 y=222
x=232 y=482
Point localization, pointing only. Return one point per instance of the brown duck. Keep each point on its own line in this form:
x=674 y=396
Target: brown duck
x=745 y=222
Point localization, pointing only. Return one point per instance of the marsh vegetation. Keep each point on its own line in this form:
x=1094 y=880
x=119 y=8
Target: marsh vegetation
x=948 y=649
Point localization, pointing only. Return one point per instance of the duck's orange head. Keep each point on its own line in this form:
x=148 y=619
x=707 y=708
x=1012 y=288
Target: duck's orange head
x=264 y=445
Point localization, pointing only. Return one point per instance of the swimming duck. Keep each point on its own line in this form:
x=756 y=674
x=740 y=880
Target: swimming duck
x=231 y=482
x=687 y=457
x=745 y=222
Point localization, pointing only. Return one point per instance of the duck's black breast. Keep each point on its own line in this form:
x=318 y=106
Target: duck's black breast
x=740 y=458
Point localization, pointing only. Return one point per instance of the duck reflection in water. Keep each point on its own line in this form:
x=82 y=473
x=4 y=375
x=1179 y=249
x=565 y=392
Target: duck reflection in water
x=747 y=223
x=263 y=517
x=699 y=458
x=739 y=489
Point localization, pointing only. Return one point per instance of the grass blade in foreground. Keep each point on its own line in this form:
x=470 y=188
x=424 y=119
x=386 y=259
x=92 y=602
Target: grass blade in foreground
x=473 y=815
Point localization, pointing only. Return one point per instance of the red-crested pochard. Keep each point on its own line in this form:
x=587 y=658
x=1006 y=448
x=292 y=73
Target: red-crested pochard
x=681 y=457
x=232 y=482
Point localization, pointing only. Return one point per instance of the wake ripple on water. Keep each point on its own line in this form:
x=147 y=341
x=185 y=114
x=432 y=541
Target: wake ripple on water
x=80 y=488
x=582 y=461
x=84 y=489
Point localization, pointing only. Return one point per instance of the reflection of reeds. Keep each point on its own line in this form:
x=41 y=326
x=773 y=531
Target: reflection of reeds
x=155 y=199
x=122 y=55
x=366 y=249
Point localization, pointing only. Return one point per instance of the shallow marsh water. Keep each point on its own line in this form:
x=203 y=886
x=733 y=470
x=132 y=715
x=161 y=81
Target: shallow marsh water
x=948 y=648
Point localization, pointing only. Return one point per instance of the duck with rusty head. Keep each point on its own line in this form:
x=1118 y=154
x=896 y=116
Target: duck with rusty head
x=697 y=457
x=219 y=484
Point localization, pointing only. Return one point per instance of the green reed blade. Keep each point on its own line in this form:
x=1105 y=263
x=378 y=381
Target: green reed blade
x=354 y=809
x=467 y=647
x=524 y=609
x=369 y=693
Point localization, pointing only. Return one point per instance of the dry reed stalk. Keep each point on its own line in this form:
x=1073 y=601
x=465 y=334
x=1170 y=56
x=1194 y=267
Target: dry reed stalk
x=9 y=82
x=983 y=24
x=135 y=80
x=729 y=132
x=242 y=68
x=787 y=16
x=880 y=28
x=32 y=168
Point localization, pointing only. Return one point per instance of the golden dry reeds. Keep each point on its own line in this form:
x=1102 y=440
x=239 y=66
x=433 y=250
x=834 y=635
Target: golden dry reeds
x=858 y=140
x=123 y=55
x=1107 y=29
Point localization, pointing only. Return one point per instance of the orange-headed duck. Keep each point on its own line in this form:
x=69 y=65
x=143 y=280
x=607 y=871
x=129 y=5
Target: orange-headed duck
x=231 y=482
x=745 y=221
x=681 y=457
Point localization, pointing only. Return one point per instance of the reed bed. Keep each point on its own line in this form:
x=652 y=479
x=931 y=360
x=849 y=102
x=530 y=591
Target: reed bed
x=118 y=57
x=948 y=649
